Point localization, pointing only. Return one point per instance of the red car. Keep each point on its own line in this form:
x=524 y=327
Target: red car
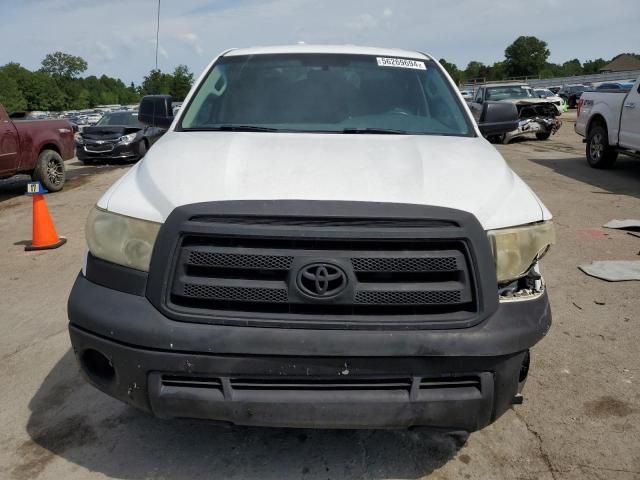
x=36 y=147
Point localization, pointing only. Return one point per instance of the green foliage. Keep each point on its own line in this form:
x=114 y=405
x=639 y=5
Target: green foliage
x=181 y=83
x=593 y=66
x=176 y=84
x=10 y=94
x=60 y=64
x=156 y=83
x=55 y=87
x=452 y=70
x=526 y=56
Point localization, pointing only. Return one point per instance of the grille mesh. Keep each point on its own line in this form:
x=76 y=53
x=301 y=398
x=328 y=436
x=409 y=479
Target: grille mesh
x=433 y=264
x=447 y=297
x=211 y=259
x=241 y=294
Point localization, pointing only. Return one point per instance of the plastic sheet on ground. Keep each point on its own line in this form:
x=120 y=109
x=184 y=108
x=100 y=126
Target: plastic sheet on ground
x=628 y=224
x=613 y=270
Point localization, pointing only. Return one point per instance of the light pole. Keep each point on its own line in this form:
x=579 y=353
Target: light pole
x=157 y=33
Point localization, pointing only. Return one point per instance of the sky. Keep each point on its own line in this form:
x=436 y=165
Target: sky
x=117 y=37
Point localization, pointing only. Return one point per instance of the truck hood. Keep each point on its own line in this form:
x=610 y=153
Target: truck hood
x=466 y=173
x=109 y=132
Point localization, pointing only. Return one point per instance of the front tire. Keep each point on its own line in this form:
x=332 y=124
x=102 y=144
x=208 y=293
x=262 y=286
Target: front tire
x=599 y=153
x=50 y=171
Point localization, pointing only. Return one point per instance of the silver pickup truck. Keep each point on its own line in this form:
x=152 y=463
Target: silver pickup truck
x=610 y=122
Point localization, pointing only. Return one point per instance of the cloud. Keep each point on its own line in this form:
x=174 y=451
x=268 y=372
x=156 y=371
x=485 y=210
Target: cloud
x=117 y=37
x=191 y=39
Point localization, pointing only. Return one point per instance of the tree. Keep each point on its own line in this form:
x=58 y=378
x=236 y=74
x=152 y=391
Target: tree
x=526 y=56
x=10 y=95
x=593 y=66
x=42 y=93
x=571 y=68
x=181 y=82
x=475 y=70
x=157 y=83
x=60 y=64
x=452 y=70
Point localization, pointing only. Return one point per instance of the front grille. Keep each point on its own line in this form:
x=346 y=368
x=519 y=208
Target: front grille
x=240 y=294
x=98 y=147
x=395 y=272
x=386 y=297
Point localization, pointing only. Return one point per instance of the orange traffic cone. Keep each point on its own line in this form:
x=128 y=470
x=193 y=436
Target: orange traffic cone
x=44 y=232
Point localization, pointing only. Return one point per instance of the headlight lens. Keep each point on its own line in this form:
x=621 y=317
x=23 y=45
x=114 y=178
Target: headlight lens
x=78 y=138
x=516 y=249
x=128 y=138
x=119 y=239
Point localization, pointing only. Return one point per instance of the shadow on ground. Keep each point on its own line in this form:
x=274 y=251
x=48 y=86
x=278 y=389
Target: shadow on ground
x=17 y=185
x=622 y=179
x=72 y=420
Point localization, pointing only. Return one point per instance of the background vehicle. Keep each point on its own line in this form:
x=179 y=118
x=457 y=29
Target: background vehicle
x=118 y=135
x=571 y=94
x=315 y=232
x=93 y=118
x=614 y=86
x=537 y=116
x=550 y=97
x=35 y=147
x=610 y=122
x=467 y=95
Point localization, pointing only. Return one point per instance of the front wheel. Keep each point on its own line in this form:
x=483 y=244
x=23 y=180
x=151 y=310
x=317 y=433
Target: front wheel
x=599 y=153
x=50 y=171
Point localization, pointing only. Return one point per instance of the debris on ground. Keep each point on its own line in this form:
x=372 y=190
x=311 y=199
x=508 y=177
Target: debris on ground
x=627 y=224
x=613 y=270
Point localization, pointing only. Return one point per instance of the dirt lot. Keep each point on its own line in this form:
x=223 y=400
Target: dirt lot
x=580 y=419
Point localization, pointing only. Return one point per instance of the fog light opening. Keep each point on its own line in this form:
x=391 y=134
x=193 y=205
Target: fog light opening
x=97 y=366
x=524 y=371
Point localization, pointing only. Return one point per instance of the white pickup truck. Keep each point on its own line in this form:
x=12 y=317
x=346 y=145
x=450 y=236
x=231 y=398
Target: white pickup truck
x=322 y=238
x=610 y=122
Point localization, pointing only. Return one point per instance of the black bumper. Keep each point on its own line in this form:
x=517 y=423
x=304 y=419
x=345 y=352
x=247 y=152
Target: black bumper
x=454 y=379
x=127 y=151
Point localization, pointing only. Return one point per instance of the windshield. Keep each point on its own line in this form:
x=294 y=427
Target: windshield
x=120 y=119
x=509 y=92
x=328 y=93
x=544 y=93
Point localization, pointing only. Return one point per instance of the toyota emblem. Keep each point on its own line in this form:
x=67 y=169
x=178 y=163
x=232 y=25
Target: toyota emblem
x=321 y=280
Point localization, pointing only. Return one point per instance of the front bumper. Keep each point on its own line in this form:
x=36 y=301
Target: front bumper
x=120 y=151
x=460 y=379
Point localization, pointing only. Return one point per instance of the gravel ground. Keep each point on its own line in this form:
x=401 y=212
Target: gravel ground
x=580 y=419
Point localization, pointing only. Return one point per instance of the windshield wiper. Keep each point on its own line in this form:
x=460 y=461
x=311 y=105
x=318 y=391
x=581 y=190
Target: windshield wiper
x=234 y=128
x=374 y=131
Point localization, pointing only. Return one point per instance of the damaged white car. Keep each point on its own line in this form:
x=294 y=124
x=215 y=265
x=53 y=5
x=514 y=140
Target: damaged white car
x=537 y=115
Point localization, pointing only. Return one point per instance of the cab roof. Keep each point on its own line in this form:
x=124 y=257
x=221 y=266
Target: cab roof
x=340 y=49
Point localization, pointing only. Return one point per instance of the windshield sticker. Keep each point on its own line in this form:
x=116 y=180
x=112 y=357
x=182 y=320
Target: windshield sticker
x=401 y=63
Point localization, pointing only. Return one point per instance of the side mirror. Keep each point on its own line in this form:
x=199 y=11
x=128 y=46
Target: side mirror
x=156 y=111
x=497 y=118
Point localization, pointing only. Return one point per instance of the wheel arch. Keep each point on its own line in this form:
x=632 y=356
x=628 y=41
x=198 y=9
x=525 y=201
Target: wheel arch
x=50 y=146
x=597 y=119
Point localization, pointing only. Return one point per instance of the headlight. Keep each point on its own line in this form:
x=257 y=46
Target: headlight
x=78 y=138
x=516 y=249
x=128 y=138
x=119 y=239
